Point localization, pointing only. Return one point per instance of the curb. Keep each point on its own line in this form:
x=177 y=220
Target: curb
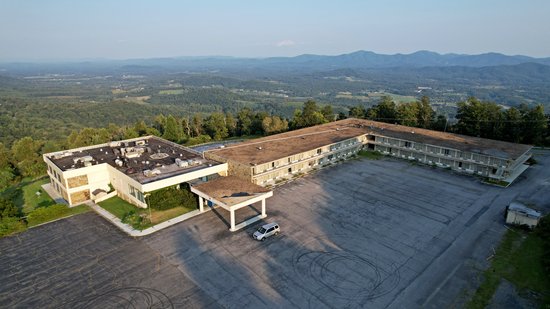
x=150 y=230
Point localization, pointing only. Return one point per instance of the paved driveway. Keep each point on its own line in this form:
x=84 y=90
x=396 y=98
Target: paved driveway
x=366 y=233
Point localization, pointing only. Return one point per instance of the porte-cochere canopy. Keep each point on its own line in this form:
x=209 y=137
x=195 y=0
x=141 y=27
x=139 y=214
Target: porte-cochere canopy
x=232 y=193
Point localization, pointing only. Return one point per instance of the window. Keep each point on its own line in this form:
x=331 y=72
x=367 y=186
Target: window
x=446 y=152
x=272 y=164
x=408 y=144
x=288 y=160
x=460 y=164
x=319 y=151
x=290 y=170
x=136 y=193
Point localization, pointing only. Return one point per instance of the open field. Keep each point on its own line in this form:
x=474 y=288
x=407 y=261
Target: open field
x=171 y=91
x=373 y=233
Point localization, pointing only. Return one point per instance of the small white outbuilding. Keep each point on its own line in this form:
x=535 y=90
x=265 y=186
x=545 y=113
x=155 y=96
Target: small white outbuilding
x=519 y=214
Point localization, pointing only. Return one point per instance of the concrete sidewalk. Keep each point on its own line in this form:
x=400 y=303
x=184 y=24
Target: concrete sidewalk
x=137 y=233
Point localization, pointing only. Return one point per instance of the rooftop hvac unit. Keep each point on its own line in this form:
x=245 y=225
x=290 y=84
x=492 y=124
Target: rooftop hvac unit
x=87 y=163
x=119 y=162
x=114 y=144
x=140 y=143
x=62 y=154
x=132 y=154
x=181 y=163
x=151 y=173
x=148 y=173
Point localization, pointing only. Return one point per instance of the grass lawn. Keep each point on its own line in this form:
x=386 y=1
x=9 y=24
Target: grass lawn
x=371 y=155
x=518 y=259
x=31 y=199
x=24 y=194
x=123 y=210
x=50 y=213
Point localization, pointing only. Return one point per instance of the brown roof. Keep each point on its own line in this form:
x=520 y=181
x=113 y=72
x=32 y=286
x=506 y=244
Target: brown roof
x=270 y=148
x=230 y=190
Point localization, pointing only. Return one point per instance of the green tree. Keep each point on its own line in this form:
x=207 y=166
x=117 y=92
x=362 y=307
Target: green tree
x=172 y=130
x=440 y=123
x=535 y=126
x=426 y=114
x=159 y=123
x=244 y=121
x=327 y=112
x=274 y=124
x=130 y=132
x=214 y=125
x=196 y=125
x=257 y=122
x=357 y=112
x=309 y=116
x=186 y=125
x=26 y=156
x=6 y=169
x=407 y=113
x=513 y=125
x=385 y=111
x=88 y=137
x=8 y=209
x=140 y=128
x=231 y=124
x=483 y=119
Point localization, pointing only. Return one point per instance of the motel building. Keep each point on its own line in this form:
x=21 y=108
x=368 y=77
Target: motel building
x=133 y=168
x=269 y=160
x=238 y=175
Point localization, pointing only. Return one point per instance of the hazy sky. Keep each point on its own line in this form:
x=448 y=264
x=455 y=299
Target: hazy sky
x=79 y=29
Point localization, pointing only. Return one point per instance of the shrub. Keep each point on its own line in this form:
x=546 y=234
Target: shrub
x=134 y=219
x=171 y=197
x=44 y=214
x=201 y=139
x=10 y=225
x=8 y=209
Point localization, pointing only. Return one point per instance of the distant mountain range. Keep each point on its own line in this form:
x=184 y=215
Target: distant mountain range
x=368 y=59
x=355 y=60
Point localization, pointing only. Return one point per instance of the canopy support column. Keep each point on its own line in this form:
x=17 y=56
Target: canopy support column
x=232 y=215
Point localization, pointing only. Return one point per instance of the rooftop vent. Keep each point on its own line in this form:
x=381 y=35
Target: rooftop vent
x=151 y=173
x=182 y=163
x=62 y=154
x=260 y=148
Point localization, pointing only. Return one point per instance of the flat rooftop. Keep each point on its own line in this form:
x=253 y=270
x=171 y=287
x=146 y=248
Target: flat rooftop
x=231 y=190
x=145 y=159
x=270 y=148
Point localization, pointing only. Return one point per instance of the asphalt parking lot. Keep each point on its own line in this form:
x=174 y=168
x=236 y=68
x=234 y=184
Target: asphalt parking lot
x=377 y=234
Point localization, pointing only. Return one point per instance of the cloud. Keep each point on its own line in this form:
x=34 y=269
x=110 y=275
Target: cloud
x=285 y=43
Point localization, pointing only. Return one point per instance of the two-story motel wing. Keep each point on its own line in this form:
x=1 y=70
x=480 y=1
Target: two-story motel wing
x=266 y=160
